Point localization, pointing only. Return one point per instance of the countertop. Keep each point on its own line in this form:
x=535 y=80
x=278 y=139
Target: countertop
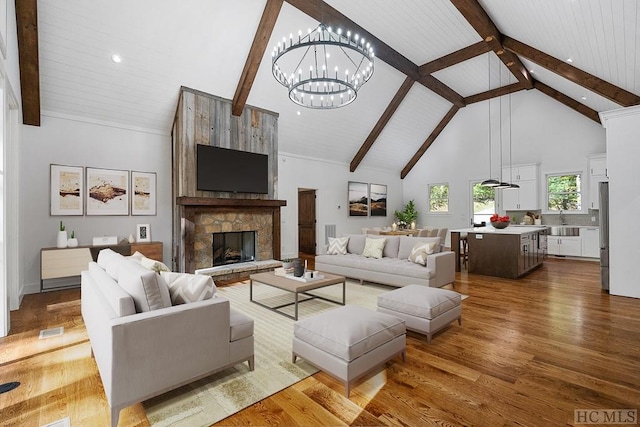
x=521 y=229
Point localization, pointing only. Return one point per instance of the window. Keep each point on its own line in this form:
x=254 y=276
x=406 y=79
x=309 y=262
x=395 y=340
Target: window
x=438 y=198
x=483 y=200
x=564 y=192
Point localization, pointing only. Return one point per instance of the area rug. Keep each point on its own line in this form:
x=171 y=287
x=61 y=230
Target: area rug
x=216 y=397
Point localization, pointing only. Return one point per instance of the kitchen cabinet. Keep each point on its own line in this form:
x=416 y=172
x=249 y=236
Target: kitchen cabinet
x=590 y=237
x=597 y=174
x=564 y=245
x=525 y=197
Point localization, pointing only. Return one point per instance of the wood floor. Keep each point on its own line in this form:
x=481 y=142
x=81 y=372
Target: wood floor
x=529 y=352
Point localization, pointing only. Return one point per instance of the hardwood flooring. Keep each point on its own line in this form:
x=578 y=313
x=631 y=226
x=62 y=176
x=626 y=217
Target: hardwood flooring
x=529 y=352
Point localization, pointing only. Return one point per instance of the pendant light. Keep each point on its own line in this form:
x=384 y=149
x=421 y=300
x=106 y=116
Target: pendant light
x=489 y=182
x=512 y=185
x=502 y=184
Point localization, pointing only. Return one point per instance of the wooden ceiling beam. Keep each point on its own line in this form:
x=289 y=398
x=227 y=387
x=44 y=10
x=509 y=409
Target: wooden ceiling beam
x=256 y=53
x=442 y=89
x=427 y=143
x=322 y=12
x=569 y=102
x=382 y=122
x=27 y=28
x=582 y=78
x=478 y=18
x=499 y=91
x=454 y=58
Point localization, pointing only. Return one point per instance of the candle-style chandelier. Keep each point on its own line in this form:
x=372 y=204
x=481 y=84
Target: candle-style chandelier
x=323 y=69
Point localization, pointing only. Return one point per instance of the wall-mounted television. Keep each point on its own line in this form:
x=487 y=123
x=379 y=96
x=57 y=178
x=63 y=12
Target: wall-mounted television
x=223 y=169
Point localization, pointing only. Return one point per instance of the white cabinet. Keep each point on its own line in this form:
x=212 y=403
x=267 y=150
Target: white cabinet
x=590 y=242
x=525 y=197
x=564 y=245
x=597 y=174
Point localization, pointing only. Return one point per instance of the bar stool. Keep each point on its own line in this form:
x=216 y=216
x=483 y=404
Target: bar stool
x=464 y=252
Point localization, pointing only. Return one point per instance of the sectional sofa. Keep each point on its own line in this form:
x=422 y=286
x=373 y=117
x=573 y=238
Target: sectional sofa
x=396 y=266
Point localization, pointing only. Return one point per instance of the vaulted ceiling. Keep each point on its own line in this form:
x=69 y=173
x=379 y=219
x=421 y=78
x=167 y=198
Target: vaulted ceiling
x=433 y=58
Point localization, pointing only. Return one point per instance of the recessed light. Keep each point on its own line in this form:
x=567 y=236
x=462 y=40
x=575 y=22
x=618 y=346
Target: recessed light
x=298 y=112
x=569 y=60
x=584 y=98
x=116 y=58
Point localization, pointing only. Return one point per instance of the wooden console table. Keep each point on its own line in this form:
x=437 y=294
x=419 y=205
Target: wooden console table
x=400 y=233
x=59 y=263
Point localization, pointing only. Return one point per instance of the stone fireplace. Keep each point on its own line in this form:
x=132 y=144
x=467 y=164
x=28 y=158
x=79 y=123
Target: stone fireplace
x=233 y=247
x=202 y=218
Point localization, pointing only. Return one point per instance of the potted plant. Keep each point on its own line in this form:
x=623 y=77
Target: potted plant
x=407 y=215
x=72 y=242
x=62 y=236
x=288 y=262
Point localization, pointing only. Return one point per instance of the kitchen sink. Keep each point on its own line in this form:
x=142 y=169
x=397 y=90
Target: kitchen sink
x=565 y=231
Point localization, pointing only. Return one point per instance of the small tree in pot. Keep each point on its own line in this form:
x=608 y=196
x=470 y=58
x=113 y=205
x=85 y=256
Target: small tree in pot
x=407 y=215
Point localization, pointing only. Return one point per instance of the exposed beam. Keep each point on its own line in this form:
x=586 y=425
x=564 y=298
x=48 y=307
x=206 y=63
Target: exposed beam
x=382 y=122
x=499 y=91
x=322 y=12
x=455 y=58
x=582 y=78
x=425 y=146
x=259 y=46
x=569 y=102
x=27 y=28
x=442 y=89
x=478 y=18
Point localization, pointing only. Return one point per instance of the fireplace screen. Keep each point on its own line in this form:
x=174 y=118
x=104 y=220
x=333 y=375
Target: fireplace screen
x=234 y=247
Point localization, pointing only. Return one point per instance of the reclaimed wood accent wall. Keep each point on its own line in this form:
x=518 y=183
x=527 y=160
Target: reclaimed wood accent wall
x=202 y=118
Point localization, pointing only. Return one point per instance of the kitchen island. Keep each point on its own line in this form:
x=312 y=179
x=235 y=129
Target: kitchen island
x=510 y=252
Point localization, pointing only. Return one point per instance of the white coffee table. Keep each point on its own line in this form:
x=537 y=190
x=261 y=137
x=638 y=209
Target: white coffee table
x=296 y=287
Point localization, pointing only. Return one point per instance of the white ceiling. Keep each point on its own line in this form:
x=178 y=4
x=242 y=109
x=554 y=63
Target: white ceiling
x=203 y=44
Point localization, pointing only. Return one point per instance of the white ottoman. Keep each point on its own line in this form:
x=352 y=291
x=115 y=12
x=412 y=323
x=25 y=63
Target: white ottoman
x=424 y=309
x=349 y=341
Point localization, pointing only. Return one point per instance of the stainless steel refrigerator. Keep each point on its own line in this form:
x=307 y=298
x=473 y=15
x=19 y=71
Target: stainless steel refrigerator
x=604 y=235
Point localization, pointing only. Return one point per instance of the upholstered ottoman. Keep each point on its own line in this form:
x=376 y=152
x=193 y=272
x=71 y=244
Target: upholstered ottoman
x=424 y=309
x=348 y=342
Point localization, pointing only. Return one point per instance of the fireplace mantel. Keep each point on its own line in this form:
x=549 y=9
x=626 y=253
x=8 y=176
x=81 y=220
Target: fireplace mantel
x=229 y=203
x=197 y=214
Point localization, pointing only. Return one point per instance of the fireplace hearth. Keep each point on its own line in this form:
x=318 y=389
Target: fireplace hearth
x=233 y=247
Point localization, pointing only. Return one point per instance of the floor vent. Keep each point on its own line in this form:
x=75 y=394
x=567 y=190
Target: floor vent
x=329 y=231
x=53 y=332
x=65 y=422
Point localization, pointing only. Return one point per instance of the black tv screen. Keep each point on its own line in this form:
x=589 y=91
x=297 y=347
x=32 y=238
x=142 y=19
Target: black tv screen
x=223 y=169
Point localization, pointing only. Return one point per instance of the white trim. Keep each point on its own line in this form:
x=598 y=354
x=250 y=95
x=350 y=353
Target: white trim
x=605 y=116
x=105 y=123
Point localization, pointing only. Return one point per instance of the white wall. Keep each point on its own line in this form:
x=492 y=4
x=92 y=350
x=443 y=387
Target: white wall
x=623 y=152
x=330 y=179
x=543 y=131
x=72 y=141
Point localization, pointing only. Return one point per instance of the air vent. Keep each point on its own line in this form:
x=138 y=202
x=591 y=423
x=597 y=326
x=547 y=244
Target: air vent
x=53 y=332
x=329 y=231
x=65 y=422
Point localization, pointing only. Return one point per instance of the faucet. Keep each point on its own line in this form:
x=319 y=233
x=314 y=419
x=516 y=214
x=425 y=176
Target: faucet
x=561 y=218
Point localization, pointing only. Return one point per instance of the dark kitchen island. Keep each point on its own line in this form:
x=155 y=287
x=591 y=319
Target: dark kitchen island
x=509 y=253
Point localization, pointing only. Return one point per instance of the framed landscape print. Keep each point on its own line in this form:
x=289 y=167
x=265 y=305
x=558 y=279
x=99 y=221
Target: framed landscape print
x=358 y=199
x=378 y=199
x=67 y=190
x=107 y=192
x=143 y=194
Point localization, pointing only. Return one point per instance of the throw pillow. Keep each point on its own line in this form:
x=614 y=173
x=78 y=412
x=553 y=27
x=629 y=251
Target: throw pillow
x=420 y=252
x=148 y=263
x=337 y=246
x=148 y=290
x=185 y=288
x=373 y=248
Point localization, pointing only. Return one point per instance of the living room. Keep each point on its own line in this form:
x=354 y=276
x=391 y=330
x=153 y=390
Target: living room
x=314 y=152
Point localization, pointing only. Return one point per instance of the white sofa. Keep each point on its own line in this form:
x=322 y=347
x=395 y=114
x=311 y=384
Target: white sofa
x=145 y=346
x=394 y=267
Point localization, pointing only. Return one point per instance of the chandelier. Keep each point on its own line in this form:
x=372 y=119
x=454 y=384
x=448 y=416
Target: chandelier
x=323 y=69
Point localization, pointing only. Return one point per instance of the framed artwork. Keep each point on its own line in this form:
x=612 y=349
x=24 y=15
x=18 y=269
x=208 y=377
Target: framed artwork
x=107 y=192
x=143 y=233
x=143 y=194
x=67 y=191
x=378 y=199
x=358 y=199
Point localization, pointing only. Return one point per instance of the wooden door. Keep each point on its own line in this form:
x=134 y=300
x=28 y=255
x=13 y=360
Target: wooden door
x=307 y=221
